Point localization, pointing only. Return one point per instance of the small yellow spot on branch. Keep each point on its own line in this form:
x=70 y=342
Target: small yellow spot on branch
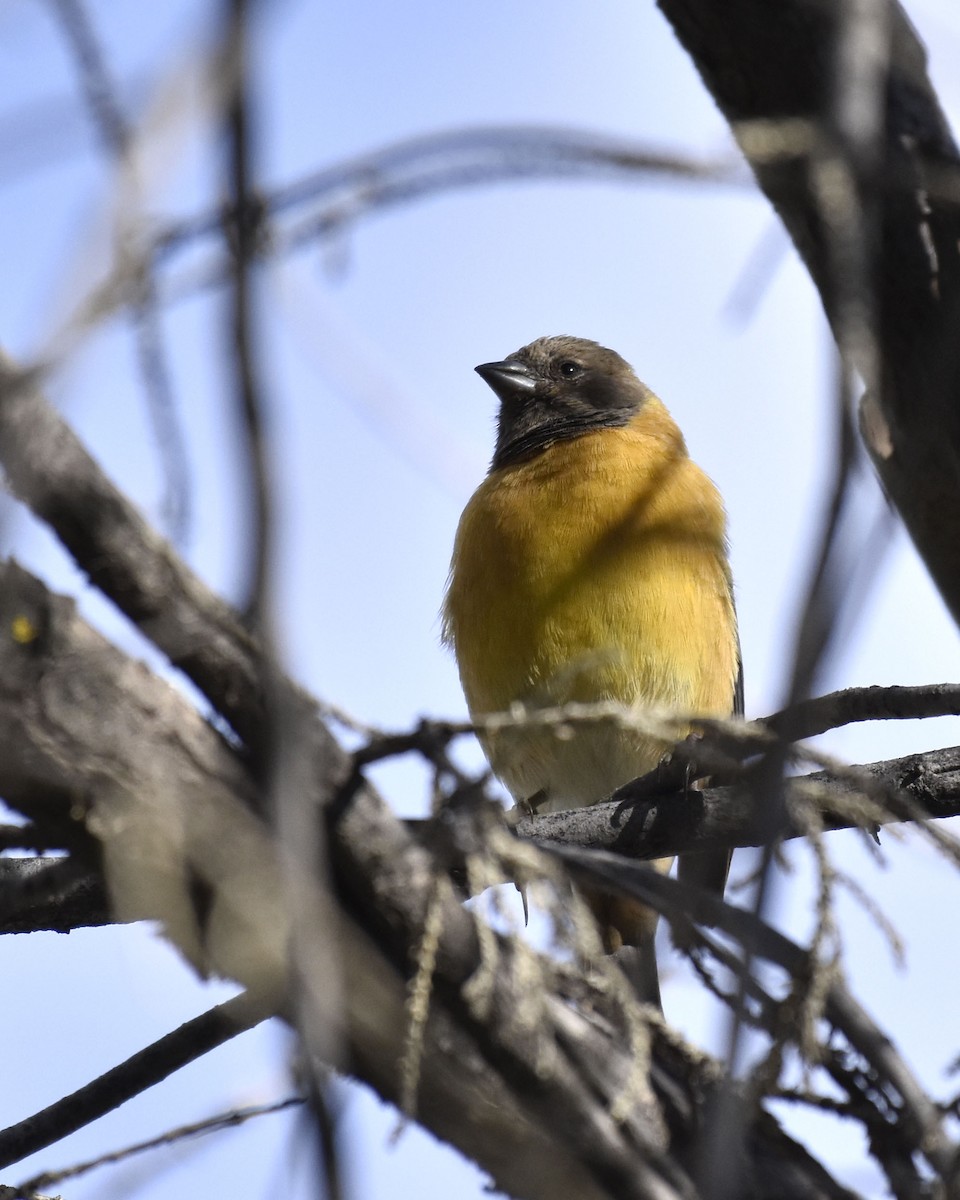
x=23 y=630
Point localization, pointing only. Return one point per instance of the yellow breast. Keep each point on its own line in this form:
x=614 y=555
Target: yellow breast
x=596 y=570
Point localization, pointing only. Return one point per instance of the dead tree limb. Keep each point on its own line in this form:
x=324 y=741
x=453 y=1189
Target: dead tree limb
x=770 y=68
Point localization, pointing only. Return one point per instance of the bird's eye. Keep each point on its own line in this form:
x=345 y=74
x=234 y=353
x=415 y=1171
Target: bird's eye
x=568 y=368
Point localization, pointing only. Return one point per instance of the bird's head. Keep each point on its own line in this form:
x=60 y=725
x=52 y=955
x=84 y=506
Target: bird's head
x=558 y=388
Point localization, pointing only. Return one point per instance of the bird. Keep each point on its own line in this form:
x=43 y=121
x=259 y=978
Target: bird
x=591 y=564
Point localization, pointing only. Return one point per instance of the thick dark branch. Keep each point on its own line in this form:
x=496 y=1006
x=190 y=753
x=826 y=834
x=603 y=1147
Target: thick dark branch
x=770 y=69
x=56 y=894
x=50 y=470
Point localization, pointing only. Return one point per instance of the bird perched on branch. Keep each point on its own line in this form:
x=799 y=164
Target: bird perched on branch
x=591 y=565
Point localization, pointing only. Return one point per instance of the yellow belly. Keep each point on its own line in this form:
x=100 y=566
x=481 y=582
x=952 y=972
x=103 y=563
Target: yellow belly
x=595 y=571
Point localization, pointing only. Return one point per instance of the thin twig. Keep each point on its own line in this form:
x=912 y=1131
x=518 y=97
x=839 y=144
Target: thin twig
x=116 y=135
x=682 y=903
x=226 y=1120
x=326 y=1129
x=242 y=242
x=142 y=1070
x=809 y=718
x=417 y=167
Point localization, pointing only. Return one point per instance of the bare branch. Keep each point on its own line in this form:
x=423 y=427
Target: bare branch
x=227 y=1120
x=116 y=136
x=441 y=162
x=142 y=1070
x=682 y=904
x=56 y=894
x=808 y=718
x=51 y=471
x=244 y=233
x=928 y=785
x=769 y=69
